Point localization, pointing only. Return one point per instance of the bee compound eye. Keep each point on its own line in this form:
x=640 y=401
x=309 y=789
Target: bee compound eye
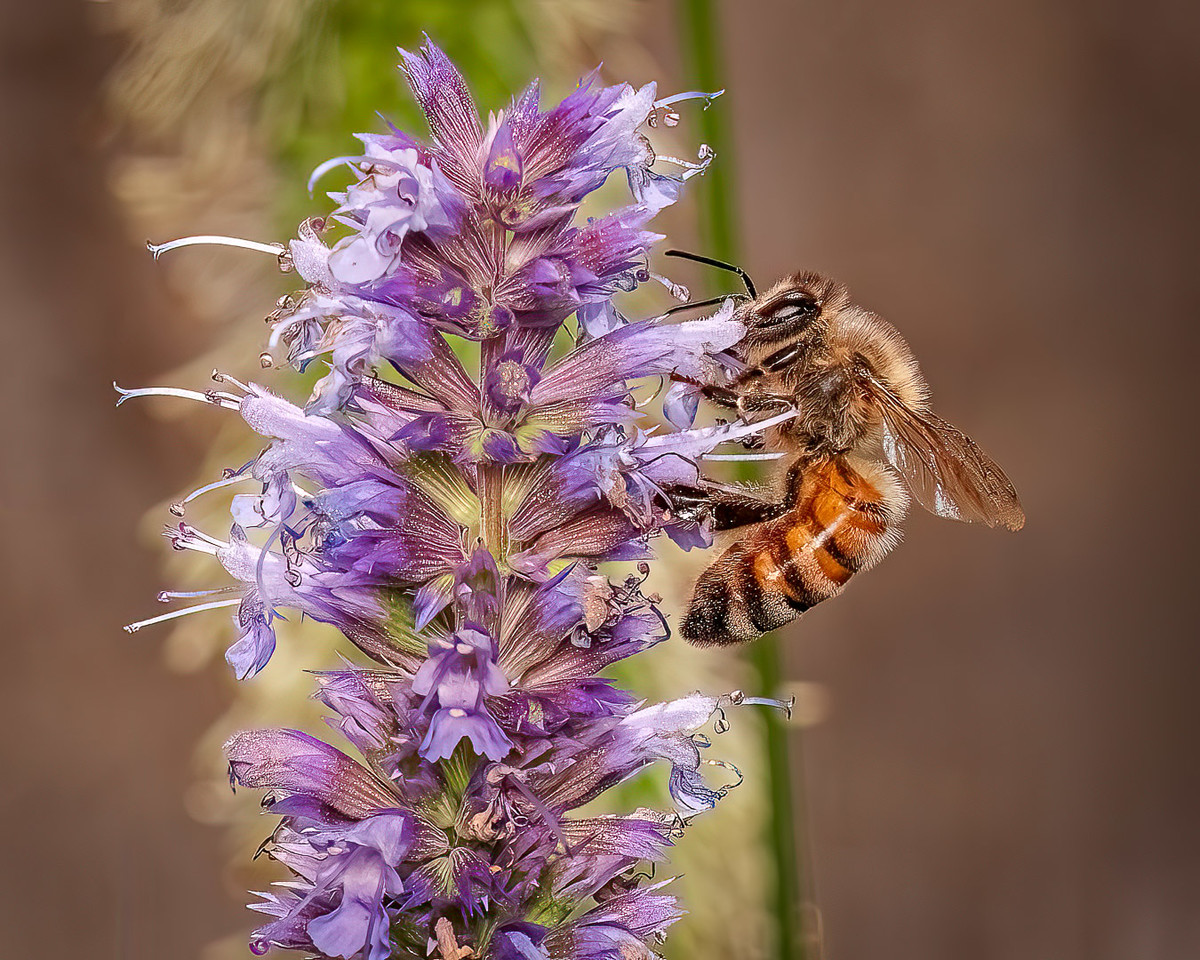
x=800 y=309
x=796 y=311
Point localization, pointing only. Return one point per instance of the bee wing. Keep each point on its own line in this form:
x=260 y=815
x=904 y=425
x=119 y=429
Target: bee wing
x=944 y=469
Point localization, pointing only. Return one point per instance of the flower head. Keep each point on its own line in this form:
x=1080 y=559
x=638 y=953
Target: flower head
x=448 y=516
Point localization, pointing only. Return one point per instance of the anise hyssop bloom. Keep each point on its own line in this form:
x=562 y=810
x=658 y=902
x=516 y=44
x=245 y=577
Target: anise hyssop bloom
x=445 y=499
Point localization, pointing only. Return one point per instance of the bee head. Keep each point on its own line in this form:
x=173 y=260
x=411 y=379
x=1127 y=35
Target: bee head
x=795 y=311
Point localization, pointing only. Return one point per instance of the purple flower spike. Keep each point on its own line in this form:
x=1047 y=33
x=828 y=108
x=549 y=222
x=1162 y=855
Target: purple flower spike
x=448 y=518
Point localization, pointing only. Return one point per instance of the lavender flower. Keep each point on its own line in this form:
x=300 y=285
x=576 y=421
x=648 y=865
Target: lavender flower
x=450 y=522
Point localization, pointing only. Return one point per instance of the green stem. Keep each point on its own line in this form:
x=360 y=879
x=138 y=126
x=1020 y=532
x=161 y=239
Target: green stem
x=719 y=230
x=765 y=657
x=701 y=47
x=491 y=497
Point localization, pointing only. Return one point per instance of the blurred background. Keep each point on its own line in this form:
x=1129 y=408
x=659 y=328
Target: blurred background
x=995 y=750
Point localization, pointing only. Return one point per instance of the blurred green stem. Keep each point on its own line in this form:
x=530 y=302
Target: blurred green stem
x=702 y=51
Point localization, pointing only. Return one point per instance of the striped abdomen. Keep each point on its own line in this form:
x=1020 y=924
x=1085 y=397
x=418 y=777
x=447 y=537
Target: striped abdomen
x=845 y=518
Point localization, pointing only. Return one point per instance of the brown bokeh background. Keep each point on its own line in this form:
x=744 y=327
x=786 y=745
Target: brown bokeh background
x=1008 y=764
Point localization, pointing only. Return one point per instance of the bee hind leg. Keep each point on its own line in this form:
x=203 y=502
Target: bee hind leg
x=727 y=507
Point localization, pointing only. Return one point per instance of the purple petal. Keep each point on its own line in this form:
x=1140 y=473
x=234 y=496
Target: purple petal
x=449 y=726
x=298 y=763
x=502 y=169
x=446 y=102
x=360 y=919
x=256 y=639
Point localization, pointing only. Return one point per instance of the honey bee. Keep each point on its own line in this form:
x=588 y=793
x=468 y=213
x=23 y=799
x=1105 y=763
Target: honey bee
x=862 y=441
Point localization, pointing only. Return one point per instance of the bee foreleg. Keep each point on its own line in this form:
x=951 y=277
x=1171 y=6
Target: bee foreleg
x=750 y=403
x=722 y=396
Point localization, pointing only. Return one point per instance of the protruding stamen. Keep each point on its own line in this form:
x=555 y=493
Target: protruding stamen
x=743 y=457
x=226 y=400
x=732 y=769
x=266 y=361
x=548 y=818
x=177 y=508
x=166 y=596
x=260 y=572
x=677 y=290
x=736 y=431
x=323 y=168
x=704 y=156
x=158 y=249
x=174 y=614
x=187 y=537
x=738 y=699
x=708 y=98
x=220 y=377
x=784 y=705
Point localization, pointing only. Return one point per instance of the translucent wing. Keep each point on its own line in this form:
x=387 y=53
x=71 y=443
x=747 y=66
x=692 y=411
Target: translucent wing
x=944 y=469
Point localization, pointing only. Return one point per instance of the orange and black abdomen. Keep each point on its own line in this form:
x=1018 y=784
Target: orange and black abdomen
x=844 y=521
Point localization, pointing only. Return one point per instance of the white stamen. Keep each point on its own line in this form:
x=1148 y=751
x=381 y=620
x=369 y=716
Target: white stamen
x=187 y=537
x=201 y=535
x=677 y=290
x=686 y=164
x=215 y=485
x=738 y=699
x=785 y=705
x=703 y=158
x=708 y=98
x=185 y=543
x=219 y=377
x=738 y=430
x=323 y=168
x=771 y=421
x=165 y=596
x=216 y=604
x=743 y=457
x=722 y=434
x=260 y=572
x=158 y=249
x=732 y=769
x=280 y=328
x=226 y=400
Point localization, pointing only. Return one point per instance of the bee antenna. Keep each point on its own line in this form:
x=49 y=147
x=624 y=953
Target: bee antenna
x=683 y=254
x=696 y=304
